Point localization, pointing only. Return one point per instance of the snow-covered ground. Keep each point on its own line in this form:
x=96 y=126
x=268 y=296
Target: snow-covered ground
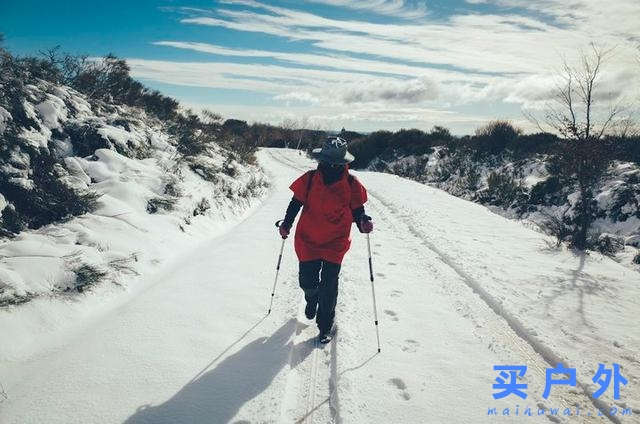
x=151 y=200
x=459 y=290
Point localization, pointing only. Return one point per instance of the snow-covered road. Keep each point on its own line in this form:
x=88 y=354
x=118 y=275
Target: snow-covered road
x=459 y=290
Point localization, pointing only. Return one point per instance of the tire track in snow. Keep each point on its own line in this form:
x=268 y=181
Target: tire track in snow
x=299 y=399
x=519 y=333
x=311 y=400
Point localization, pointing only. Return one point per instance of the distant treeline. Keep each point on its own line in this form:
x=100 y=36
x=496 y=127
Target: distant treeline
x=495 y=138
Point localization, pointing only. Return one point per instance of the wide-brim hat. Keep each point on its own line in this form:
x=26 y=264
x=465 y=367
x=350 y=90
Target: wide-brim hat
x=333 y=151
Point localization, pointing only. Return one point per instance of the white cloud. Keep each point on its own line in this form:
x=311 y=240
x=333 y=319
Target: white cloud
x=298 y=96
x=398 y=8
x=355 y=65
x=334 y=60
x=413 y=91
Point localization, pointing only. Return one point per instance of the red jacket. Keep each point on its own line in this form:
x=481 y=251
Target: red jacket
x=323 y=230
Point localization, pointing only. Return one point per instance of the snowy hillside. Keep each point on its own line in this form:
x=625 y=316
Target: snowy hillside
x=524 y=189
x=459 y=290
x=143 y=199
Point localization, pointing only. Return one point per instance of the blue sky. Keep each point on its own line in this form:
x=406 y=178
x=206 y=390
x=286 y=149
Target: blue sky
x=363 y=65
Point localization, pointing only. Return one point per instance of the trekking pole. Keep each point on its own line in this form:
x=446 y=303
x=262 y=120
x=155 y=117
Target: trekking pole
x=373 y=292
x=273 y=291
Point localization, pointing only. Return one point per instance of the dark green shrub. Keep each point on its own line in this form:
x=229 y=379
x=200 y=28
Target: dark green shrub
x=547 y=192
x=201 y=207
x=48 y=199
x=85 y=139
x=12 y=222
x=607 y=244
x=160 y=203
x=496 y=136
x=626 y=200
x=86 y=276
x=502 y=190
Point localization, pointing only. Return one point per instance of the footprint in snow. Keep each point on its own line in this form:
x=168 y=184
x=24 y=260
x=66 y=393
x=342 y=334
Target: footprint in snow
x=396 y=293
x=379 y=274
x=400 y=385
x=392 y=263
x=391 y=314
x=411 y=347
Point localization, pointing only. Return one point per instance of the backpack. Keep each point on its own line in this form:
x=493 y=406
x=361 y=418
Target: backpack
x=310 y=181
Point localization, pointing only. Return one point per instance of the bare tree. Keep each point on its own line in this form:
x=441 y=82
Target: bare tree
x=288 y=127
x=626 y=127
x=319 y=133
x=576 y=113
x=575 y=110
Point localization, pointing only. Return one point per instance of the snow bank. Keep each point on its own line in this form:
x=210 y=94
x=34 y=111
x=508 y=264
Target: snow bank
x=151 y=202
x=462 y=177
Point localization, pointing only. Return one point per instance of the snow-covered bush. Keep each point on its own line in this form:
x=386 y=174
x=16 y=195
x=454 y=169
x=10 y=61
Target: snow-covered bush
x=161 y=203
x=608 y=244
x=496 y=136
x=86 y=276
x=96 y=185
x=202 y=207
x=574 y=191
x=502 y=189
x=34 y=183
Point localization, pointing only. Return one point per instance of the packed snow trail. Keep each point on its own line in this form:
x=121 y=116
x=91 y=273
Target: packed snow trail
x=195 y=346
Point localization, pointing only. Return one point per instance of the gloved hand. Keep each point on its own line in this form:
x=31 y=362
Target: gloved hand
x=364 y=224
x=284 y=231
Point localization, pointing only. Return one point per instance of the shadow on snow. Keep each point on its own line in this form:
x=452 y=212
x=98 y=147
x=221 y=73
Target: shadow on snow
x=216 y=396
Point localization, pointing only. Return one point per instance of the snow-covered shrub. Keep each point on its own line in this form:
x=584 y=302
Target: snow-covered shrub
x=202 y=207
x=470 y=175
x=557 y=226
x=626 y=197
x=12 y=222
x=254 y=186
x=496 y=136
x=86 y=276
x=156 y=204
x=570 y=189
x=229 y=168
x=81 y=171
x=172 y=187
x=37 y=191
x=502 y=190
x=84 y=138
x=547 y=192
x=608 y=244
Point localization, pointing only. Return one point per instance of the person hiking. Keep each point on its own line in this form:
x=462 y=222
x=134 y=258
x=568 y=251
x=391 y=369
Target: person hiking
x=333 y=199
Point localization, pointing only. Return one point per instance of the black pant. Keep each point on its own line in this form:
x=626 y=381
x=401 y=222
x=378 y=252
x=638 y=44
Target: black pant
x=319 y=280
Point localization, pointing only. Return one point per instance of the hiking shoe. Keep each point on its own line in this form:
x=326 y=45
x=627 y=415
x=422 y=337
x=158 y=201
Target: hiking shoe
x=310 y=310
x=326 y=336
